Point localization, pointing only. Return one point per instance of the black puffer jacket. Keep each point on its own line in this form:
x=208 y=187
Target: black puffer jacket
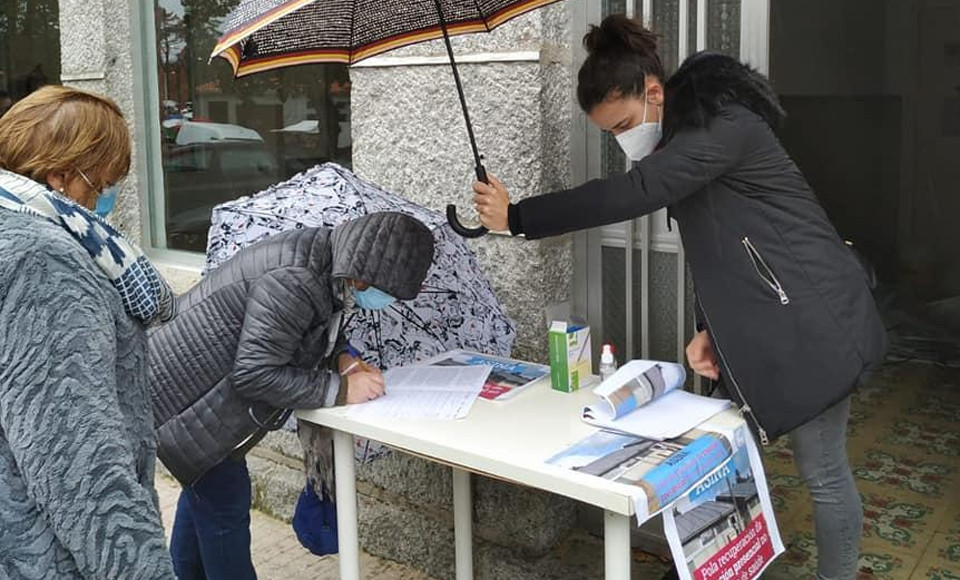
x=260 y=333
x=786 y=303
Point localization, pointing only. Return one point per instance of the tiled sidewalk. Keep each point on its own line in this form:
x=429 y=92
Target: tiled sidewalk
x=904 y=445
x=278 y=555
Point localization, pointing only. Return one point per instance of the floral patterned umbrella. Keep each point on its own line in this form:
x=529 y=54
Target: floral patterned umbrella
x=457 y=307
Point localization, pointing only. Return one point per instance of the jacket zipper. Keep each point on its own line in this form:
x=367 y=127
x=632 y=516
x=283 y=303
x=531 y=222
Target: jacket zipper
x=745 y=410
x=763 y=270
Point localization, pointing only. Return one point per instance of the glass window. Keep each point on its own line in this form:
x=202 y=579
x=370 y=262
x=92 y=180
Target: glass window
x=723 y=26
x=707 y=537
x=223 y=138
x=29 y=48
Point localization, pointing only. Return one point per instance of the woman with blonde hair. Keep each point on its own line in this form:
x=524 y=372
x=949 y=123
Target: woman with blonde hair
x=77 y=447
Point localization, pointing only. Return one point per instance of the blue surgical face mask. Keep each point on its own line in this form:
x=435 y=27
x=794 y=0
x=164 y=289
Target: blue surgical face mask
x=106 y=201
x=372 y=298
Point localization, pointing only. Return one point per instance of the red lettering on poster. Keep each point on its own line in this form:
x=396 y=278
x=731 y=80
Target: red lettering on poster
x=743 y=558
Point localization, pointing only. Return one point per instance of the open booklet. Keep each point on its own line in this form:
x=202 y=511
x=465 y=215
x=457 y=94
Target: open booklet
x=642 y=398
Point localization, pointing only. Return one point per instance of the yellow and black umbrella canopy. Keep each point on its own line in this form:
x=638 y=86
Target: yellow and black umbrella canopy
x=262 y=35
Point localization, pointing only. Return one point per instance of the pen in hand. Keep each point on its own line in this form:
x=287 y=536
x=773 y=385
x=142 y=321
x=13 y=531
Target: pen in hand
x=360 y=366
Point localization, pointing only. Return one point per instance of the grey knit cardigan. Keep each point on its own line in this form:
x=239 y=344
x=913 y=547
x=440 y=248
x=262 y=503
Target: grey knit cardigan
x=77 y=448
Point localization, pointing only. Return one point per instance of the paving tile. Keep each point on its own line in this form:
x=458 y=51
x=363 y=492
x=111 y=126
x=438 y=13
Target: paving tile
x=942 y=557
x=907 y=475
x=789 y=497
x=277 y=555
x=951 y=519
x=923 y=573
x=800 y=561
x=896 y=523
x=887 y=565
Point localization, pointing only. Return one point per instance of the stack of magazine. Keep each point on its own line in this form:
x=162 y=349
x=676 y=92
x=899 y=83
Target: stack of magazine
x=706 y=478
x=642 y=398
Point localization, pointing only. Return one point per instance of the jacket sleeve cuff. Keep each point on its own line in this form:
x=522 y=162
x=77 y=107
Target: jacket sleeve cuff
x=334 y=387
x=513 y=219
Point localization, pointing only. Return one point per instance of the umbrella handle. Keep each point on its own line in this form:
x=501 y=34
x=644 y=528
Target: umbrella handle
x=454 y=221
x=461 y=229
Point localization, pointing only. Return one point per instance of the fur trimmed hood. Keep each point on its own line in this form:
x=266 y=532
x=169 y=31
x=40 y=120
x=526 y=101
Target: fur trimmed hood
x=706 y=82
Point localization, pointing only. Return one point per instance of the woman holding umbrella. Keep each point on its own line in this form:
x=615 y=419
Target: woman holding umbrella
x=786 y=321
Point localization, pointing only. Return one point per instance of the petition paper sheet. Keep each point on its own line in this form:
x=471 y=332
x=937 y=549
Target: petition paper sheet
x=424 y=392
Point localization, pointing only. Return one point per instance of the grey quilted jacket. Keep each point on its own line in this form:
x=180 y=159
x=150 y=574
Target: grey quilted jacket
x=260 y=334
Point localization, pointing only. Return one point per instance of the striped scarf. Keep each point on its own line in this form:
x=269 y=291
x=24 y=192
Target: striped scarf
x=145 y=294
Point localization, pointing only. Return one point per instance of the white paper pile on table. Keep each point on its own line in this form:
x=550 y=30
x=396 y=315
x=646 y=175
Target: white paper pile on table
x=424 y=392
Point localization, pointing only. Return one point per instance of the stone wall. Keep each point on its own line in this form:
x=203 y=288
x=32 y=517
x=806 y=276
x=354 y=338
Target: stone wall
x=97 y=55
x=409 y=136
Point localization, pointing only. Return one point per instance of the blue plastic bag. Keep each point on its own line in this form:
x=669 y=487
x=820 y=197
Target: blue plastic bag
x=315 y=522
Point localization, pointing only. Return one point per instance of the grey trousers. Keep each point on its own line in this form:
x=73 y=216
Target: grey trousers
x=820 y=454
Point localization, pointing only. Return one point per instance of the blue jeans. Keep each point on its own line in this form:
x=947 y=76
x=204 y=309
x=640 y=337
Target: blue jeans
x=820 y=454
x=211 y=531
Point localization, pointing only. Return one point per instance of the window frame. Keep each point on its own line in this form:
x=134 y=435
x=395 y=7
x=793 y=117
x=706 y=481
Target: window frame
x=148 y=138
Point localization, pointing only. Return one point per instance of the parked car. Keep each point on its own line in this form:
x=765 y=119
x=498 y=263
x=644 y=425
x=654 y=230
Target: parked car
x=206 y=132
x=200 y=175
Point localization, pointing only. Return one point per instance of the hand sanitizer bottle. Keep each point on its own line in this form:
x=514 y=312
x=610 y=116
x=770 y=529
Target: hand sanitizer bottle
x=608 y=364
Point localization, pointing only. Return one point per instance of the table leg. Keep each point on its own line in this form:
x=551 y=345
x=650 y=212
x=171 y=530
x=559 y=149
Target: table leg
x=616 y=546
x=345 y=472
x=463 y=523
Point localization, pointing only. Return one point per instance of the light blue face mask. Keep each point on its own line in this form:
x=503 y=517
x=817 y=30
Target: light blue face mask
x=106 y=201
x=372 y=298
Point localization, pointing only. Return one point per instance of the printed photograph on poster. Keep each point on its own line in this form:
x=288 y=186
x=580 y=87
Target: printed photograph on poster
x=507 y=377
x=661 y=470
x=724 y=527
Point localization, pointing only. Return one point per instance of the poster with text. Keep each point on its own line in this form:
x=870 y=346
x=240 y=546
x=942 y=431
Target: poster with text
x=662 y=471
x=724 y=527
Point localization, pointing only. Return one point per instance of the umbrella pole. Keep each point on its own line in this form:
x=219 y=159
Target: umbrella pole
x=478 y=168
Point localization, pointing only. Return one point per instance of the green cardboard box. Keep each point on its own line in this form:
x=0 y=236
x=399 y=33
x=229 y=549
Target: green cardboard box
x=570 y=356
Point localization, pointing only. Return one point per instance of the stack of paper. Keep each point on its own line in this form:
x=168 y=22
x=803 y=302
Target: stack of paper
x=424 y=392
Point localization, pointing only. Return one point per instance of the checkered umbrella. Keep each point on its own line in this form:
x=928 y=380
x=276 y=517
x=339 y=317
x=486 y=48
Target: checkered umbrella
x=261 y=35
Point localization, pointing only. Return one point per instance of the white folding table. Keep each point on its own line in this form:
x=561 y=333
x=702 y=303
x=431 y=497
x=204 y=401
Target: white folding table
x=508 y=440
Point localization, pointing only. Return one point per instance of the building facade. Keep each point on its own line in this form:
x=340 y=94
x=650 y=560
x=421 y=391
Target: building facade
x=874 y=122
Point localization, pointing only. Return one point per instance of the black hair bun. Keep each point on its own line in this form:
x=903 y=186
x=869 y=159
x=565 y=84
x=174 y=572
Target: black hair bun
x=618 y=35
